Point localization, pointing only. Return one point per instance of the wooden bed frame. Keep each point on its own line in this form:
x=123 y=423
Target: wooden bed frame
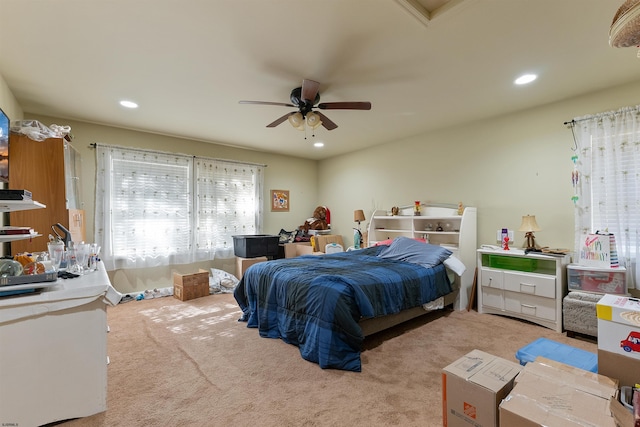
x=373 y=325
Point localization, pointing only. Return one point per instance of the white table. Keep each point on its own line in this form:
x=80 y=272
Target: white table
x=53 y=351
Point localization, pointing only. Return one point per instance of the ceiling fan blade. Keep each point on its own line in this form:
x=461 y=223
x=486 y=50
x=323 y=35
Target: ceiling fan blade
x=345 y=106
x=280 y=120
x=282 y=104
x=309 y=90
x=328 y=124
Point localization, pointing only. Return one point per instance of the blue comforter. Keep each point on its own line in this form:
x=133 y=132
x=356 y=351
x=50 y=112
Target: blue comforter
x=316 y=302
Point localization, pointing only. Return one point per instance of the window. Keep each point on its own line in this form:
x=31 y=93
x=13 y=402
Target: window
x=159 y=208
x=607 y=188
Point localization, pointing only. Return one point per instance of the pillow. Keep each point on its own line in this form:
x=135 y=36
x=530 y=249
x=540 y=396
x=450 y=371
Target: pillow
x=414 y=251
x=388 y=242
x=455 y=265
x=384 y=242
x=287 y=236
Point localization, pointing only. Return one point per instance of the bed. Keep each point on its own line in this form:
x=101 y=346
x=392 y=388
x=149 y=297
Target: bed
x=327 y=304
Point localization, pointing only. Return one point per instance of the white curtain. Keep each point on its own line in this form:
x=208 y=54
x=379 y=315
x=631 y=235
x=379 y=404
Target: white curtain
x=228 y=203
x=606 y=181
x=156 y=208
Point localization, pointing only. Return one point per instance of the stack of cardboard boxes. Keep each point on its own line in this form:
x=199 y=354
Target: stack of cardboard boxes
x=483 y=390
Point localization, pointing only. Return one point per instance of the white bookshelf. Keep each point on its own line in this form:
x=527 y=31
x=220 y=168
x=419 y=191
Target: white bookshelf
x=439 y=226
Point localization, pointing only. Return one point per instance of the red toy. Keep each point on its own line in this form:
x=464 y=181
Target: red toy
x=505 y=244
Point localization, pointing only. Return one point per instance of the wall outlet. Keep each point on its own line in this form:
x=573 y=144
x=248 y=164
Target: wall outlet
x=499 y=236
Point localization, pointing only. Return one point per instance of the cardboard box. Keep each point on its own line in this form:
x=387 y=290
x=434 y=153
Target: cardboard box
x=472 y=388
x=243 y=263
x=579 y=378
x=292 y=250
x=619 y=325
x=320 y=242
x=190 y=286
x=622 y=416
x=554 y=394
x=625 y=370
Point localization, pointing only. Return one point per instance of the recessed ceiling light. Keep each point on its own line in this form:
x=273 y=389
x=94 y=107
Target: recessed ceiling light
x=525 y=78
x=129 y=104
x=318 y=144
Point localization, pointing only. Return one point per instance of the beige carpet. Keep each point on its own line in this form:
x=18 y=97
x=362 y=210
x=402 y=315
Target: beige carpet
x=191 y=363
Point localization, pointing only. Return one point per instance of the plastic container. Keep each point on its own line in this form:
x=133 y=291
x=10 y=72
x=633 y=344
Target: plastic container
x=600 y=280
x=560 y=353
x=256 y=245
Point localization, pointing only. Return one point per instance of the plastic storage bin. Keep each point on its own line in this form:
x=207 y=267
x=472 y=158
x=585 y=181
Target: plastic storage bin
x=255 y=245
x=560 y=353
x=600 y=280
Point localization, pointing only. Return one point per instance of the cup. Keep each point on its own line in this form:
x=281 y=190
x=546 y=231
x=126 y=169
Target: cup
x=72 y=260
x=56 y=253
x=94 y=252
x=82 y=256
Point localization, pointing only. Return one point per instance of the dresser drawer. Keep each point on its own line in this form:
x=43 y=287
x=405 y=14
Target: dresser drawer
x=530 y=305
x=532 y=284
x=492 y=298
x=491 y=278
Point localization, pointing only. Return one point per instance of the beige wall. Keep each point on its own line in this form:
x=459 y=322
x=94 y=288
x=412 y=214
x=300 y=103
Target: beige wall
x=299 y=176
x=509 y=166
x=8 y=102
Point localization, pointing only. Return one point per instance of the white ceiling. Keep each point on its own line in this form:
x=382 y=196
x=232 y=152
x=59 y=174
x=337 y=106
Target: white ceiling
x=187 y=63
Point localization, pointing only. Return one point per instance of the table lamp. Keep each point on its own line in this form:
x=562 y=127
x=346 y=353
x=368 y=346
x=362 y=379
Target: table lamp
x=358 y=216
x=529 y=225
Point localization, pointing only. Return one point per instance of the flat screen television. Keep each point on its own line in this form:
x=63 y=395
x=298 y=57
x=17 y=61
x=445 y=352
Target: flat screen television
x=4 y=147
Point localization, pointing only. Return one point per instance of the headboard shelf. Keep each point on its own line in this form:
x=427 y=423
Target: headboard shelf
x=438 y=224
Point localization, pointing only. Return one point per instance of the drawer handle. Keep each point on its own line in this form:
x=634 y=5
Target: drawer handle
x=530 y=286
x=531 y=308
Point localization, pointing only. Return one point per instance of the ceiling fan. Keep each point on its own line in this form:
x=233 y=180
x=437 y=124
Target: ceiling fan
x=306 y=98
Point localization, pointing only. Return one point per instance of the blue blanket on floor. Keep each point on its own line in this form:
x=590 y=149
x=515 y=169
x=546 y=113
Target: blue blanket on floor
x=316 y=302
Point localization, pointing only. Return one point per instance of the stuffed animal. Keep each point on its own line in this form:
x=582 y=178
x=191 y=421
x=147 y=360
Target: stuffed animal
x=318 y=222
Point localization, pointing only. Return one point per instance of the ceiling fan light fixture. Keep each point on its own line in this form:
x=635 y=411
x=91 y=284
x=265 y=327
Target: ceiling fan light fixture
x=625 y=28
x=297 y=121
x=313 y=120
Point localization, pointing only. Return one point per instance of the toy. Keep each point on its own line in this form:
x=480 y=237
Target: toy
x=318 y=222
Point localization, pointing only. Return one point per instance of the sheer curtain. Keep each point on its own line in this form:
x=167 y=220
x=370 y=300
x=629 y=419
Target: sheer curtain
x=607 y=181
x=228 y=202
x=156 y=208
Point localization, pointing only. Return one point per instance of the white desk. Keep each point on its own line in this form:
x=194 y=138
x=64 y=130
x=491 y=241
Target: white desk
x=53 y=351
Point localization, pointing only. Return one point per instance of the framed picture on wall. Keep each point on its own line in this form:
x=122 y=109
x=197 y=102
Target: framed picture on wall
x=279 y=200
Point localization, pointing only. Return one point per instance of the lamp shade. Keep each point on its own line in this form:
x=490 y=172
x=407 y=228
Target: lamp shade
x=358 y=215
x=297 y=121
x=529 y=224
x=313 y=120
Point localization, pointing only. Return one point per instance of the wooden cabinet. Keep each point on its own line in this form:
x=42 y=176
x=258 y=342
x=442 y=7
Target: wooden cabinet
x=529 y=287
x=439 y=225
x=50 y=169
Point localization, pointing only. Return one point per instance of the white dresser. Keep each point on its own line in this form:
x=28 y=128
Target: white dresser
x=529 y=287
x=53 y=351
